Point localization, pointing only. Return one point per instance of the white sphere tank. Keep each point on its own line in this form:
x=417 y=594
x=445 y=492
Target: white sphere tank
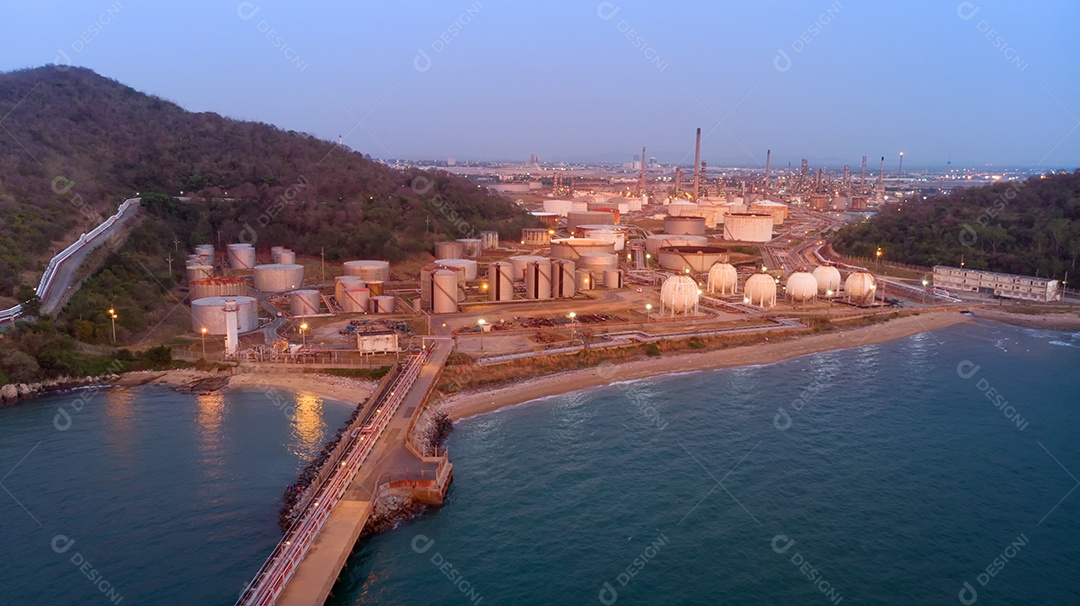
x=278 y=277
x=760 y=289
x=723 y=278
x=801 y=286
x=860 y=287
x=679 y=294
x=209 y=313
x=304 y=302
x=370 y=271
x=828 y=279
x=500 y=281
x=468 y=265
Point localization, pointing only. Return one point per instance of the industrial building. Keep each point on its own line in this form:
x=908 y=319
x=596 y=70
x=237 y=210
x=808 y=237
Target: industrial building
x=1009 y=286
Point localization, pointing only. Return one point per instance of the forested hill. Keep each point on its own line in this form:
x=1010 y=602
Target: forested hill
x=74 y=144
x=1027 y=227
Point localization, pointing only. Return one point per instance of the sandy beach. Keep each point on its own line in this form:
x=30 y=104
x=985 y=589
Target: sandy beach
x=1050 y=321
x=349 y=390
x=467 y=404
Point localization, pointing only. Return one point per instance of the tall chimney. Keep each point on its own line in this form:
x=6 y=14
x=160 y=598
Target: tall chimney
x=768 y=160
x=641 y=180
x=678 y=180
x=697 y=164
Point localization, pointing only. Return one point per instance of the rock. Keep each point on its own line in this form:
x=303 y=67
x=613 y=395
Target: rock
x=9 y=393
x=23 y=390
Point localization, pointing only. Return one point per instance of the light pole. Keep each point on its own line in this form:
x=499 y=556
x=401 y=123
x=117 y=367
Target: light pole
x=879 y=252
x=481 y=323
x=113 y=316
x=648 y=312
x=303 y=333
x=572 y=315
x=203 y=331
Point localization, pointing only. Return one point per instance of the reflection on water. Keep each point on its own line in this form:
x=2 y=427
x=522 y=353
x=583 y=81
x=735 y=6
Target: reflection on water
x=308 y=427
x=120 y=411
x=211 y=408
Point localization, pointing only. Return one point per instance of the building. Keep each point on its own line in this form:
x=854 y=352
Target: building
x=377 y=341
x=1009 y=286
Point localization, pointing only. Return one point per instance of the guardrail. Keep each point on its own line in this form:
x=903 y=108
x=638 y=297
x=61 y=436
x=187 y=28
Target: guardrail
x=13 y=313
x=270 y=581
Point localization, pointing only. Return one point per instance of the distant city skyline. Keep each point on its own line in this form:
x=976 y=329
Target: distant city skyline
x=979 y=83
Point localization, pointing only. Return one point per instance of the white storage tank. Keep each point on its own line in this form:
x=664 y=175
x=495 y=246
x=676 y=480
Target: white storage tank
x=723 y=278
x=584 y=279
x=616 y=234
x=355 y=300
x=828 y=279
x=278 y=277
x=748 y=227
x=613 y=278
x=241 y=256
x=444 y=299
x=343 y=283
x=860 y=288
x=520 y=262
x=382 y=305
x=559 y=207
x=304 y=302
x=199 y=271
x=449 y=250
x=489 y=240
x=694 y=258
x=472 y=247
x=501 y=281
x=216 y=287
x=563 y=283
x=535 y=236
x=760 y=289
x=684 y=226
x=369 y=270
x=469 y=266
x=538 y=279
x=205 y=253
x=679 y=294
x=287 y=257
x=655 y=242
x=572 y=248
x=375 y=286
x=598 y=262
x=275 y=253
x=575 y=219
x=776 y=210
x=801 y=286
x=209 y=312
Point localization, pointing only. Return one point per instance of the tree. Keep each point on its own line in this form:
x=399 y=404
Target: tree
x=31 y=303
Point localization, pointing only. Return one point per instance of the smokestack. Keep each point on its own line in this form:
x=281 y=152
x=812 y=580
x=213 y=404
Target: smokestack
x=768 y=161
x=704 y=179
x=641 y=180
x=697 y=164
x=881 y=171
x=678 y=180
x=862 y=181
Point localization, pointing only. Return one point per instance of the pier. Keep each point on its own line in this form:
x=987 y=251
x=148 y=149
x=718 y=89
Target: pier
x=376 y=460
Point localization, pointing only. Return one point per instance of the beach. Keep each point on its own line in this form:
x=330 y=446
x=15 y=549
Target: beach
x=345 y=389
x=470 y=403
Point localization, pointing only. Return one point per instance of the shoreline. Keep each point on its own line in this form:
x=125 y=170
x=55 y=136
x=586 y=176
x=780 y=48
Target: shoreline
x=472 y=403
x=349 y=391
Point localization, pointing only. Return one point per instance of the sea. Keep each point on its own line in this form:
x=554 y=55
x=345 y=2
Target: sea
x=936 y=469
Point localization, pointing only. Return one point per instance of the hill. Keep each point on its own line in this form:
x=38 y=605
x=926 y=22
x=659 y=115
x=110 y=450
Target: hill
x=74 y=144
x=1027 y=227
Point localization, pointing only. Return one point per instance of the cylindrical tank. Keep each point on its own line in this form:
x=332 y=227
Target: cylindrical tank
x=723 y=278
x=206 y=253
x=535 y=236
x=550 y=220
x=241 y=256
x=449 y=250
x=572 y=248
x=278 y=277
x=538 y=279
x=209 y=312
x=684 y=226
x=520 y=262
x=860 y=287
x=444 y=295
x=598 y=262
x=501 y=281
x=613 y=278
x=355 y=300
x=760 y=289
x=575 y=219
x=199 y=271
x=563 y=283
x=611 y=233
x=489 y=239
x=216 y=287
x=304 y=302
x=679 y=294
x=369 y=270
x=342 y=283
x=801 y=286
x=748 y=227
x=375 y=286
x=559 y=207
x=471 y=246
x=828 y=279
x=194 y=260
x=694 y=258
x=382 y=305
x=275 y=253
x=777 y=210
x=583 y=277
x=469 y=266
x=655 y=242
x=287 y=257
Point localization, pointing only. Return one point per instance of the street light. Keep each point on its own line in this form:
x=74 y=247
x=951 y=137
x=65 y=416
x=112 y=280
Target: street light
x=648 y=312
x=112 y=314
x=572 y=316
x=481 y=323
x=203 y=331
x=303 y=334
x=879 y=256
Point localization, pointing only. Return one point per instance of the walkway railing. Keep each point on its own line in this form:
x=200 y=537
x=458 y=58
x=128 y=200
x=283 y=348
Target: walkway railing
x=274 y=575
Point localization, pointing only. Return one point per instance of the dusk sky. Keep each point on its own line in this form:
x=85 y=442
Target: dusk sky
x=976 y=82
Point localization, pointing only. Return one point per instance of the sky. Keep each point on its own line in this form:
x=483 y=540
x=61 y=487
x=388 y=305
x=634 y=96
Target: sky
x=975 y=83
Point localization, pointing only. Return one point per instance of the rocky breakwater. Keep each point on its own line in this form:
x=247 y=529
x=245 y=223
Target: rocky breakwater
x=13 y=392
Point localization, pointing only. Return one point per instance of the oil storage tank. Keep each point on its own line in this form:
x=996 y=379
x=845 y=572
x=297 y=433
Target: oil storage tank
x=559 y=207
x=684 y=226
x=468 y=266
x=370 y=270
x=287 y=257
x=472 y=247
x=520 y=262
x=489 y=240
x=535 y=236
x=613 y=278
x=801 y=286
x=616 y=234
x=572 y=248
x=275 y=253
x=199 y=271
x=205 y=253
x=563 y=283
x=343 y=283
x=694 y=258
x=748 y=227
x=723 y=278
x=355 y=300
x=449 y=250
x=444 y=298
x=277 y=277
x=583 y=277
x=828 y=279
x=574 y=220
x=241 y=256
x=383 y=304
x=655 y=242
x=305 y=302
x=596 y=263
x=209 y=313
x=217 y=287
x=501 y=281
x=538 y=279
x=760 y=289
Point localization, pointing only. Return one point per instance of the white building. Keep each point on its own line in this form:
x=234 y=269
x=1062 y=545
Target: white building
x=377 y=341
x=1010 y=286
